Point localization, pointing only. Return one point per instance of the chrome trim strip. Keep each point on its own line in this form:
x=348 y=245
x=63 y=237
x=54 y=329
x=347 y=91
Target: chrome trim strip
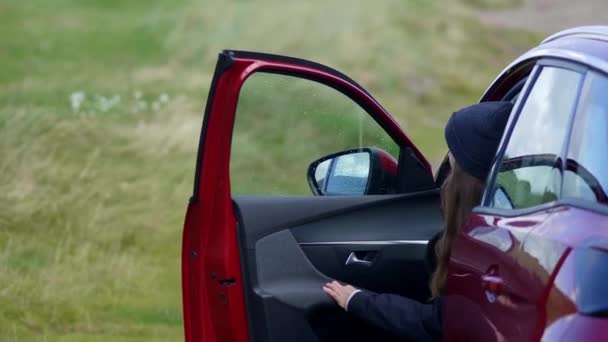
x=368 y=243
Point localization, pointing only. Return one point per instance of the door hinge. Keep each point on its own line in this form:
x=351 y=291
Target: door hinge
x=227 y=282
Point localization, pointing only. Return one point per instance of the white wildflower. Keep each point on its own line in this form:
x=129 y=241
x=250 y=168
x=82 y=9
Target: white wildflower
x=104 y=104
x=163 y=98
x=76 y=100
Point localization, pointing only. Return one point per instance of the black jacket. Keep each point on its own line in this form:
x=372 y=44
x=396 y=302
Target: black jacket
x=399 y=316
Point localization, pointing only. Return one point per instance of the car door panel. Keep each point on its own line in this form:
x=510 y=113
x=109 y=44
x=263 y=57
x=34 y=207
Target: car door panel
x=268 y=214
x=284 y=273
x=253 y=266
x=392 y=235
x=504 y=278
x=290 y=255
x=395 y=268
x=415 y=214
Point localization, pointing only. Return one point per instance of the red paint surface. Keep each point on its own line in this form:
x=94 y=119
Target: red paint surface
x=210 y=253
x=490 y=268
x=535 y=288
x=577 y=228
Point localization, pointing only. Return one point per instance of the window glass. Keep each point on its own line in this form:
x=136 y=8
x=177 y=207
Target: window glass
x=586 y=175
x=284 y=123
x=349 y=175
x=530 y=172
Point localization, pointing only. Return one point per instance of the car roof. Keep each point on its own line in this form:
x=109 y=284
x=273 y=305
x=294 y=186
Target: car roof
x=587 y=45
x=583 y=32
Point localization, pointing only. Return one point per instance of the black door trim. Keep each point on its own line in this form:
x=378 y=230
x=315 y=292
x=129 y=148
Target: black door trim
x=368 y=243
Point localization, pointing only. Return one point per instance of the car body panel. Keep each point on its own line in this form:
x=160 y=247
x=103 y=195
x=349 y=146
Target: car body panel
x=581 y=275
x=499 y=265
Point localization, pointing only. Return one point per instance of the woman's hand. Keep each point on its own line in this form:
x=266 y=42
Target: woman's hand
x=338 y=292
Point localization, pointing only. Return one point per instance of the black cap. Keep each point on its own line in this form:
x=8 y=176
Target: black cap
x=473 y=134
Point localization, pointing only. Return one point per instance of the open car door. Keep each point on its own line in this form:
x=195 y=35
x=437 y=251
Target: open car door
x=253 y=266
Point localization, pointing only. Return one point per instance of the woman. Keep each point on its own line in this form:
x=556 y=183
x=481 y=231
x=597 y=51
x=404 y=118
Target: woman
x=472 y=135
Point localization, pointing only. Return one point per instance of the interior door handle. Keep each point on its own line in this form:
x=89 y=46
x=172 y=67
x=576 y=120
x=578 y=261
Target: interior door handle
x=492 y=283
x=361 y=258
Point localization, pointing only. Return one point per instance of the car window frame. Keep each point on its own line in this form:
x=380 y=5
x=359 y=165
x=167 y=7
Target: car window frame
x=295 y=76
x=485 y=207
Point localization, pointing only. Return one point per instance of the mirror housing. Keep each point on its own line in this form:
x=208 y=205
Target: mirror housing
x=361 y=171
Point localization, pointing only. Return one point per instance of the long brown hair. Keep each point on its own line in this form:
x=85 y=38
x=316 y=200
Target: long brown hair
x=460 y=193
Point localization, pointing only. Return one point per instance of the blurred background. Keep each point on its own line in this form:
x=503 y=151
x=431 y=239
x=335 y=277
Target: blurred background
x=101 y=104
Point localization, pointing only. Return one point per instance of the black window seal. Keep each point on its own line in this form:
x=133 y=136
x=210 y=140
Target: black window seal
x=496 y=92
x=515 y=91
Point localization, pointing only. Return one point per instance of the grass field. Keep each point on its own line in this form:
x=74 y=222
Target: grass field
x=100 y=108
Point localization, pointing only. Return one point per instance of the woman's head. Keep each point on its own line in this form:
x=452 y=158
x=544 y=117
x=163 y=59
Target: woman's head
x=472 y=135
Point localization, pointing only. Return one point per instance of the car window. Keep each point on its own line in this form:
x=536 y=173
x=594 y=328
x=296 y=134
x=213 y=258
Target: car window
x=586 y=175
x=285 y=123
x=529 y=173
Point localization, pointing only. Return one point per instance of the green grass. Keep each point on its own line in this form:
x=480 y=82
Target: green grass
x=494 y=4
x=93 y=199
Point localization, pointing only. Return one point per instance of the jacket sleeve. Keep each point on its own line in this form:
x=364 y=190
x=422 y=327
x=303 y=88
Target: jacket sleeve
x=399 y=316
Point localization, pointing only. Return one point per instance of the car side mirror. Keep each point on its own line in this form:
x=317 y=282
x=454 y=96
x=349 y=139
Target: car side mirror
x=362 y=171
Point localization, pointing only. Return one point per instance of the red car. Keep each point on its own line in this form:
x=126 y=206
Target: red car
x=530 y=264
